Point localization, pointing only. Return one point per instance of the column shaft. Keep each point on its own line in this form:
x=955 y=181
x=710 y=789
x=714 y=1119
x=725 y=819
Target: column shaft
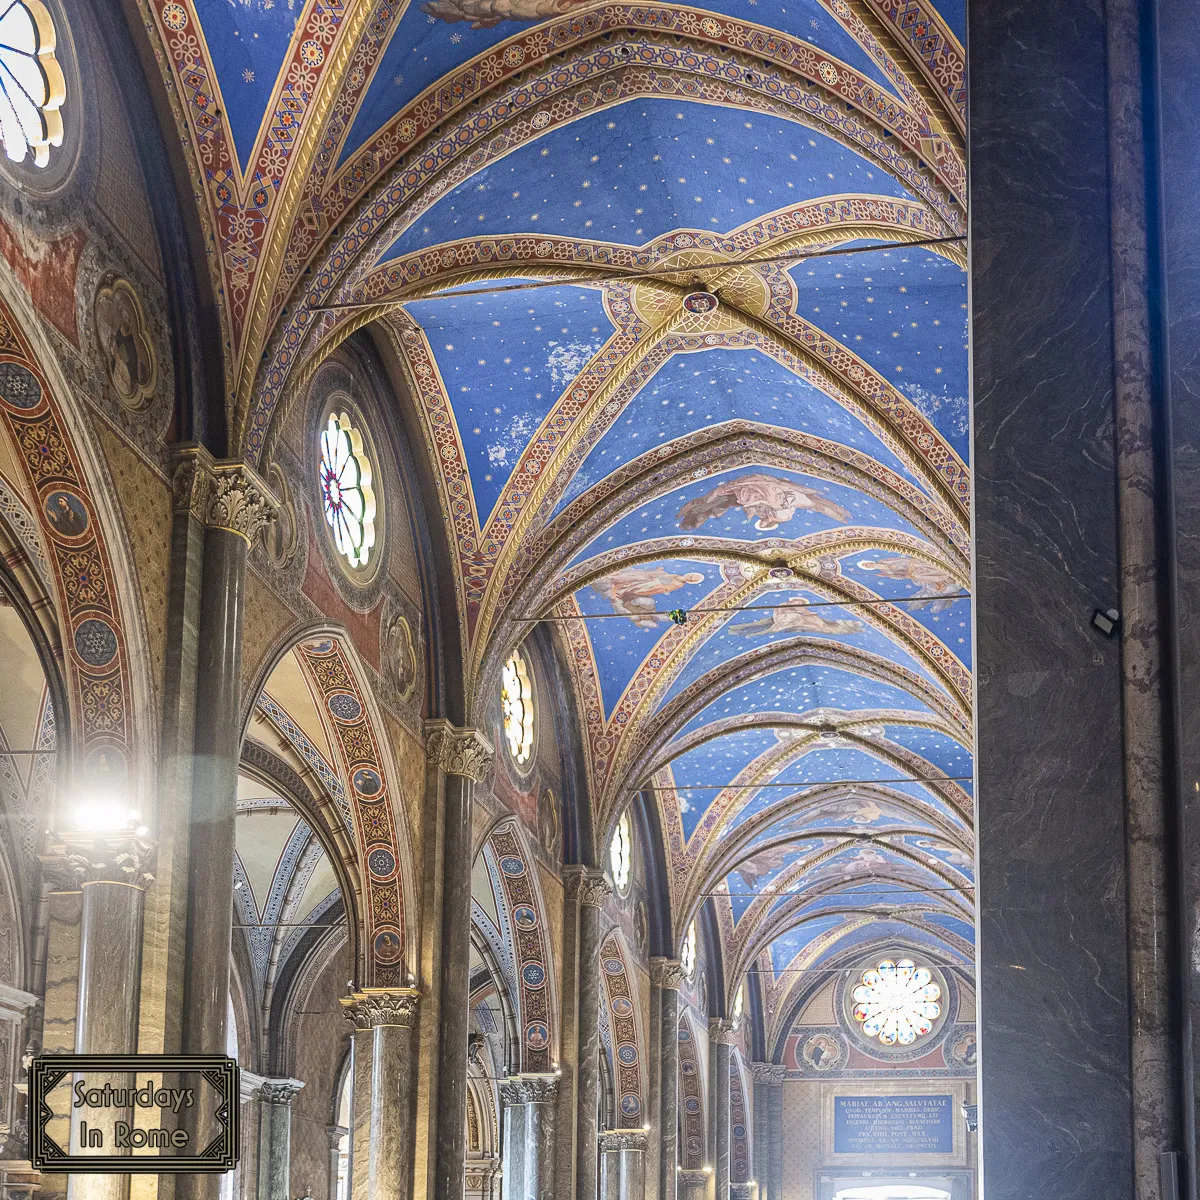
x=654 y=1088
x=719 y=1033
x=591 y=888
x=623 y=1159
x=275 y=1138
x=514 y=1147
x=539 y=1147
x=775 y=1136
x=669 y=975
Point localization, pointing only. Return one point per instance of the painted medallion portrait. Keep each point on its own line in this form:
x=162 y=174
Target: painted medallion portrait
x=400 y=656
x=282 y=538
x=125 y=342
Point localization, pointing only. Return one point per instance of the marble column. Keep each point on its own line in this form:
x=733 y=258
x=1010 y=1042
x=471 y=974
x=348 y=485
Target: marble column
x=112 y=872
x=771 y=1182
x=275 y=1098
x=529 y=1102
x=1054 y=916
x=759 y=1071
x=382 y=1146
x=654 y=1087
x=743 y=1191
x=589 y=888
x=236 y=506
x=623 y=1164
x=463 y=756
x=693 y=1185
x=719 y=1033
x=666 y=975
x=335 y=1133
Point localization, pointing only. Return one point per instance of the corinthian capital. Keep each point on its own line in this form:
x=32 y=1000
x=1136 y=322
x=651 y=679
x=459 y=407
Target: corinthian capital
x=667 y=973
x=382 y=1006
x=191 y=481
x=279 y=1091
x=75 y=859
x=587 y=885
x=239 y=501
x=720 y=1030
x=768 y=1072
x=529 y=1089
x=623 y=1139
x=457 y=751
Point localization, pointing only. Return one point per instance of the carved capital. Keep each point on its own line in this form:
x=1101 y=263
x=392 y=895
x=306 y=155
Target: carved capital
x=768 y=1072
x=720 y=1030
x=76 y=859
x=529 y=1089
x=457 y=751
x=191 y=481
x=335 y=1133
x=279 y=1091
x=622 y=1139
x=743 y=1191
x=382 y=1006
x=667 y=973
x=587 y=885
x=693 y=1179
x=239 y=501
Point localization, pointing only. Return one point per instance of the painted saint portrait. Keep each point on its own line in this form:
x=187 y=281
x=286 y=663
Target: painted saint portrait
x=766 y=862
x=125 y=343
x=932 y=581
x=632 y=590
x=400 y=656
x=547 y=819
x=796 y=616
x=768 y=500
x=483 y=14
x=821 y=1052
x=66 y=514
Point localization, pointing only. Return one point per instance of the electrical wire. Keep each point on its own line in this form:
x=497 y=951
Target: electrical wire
x=753 y=607
x=721 y=787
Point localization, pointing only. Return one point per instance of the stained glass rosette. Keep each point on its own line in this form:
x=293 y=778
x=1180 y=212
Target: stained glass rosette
x=516 y=705
x=897 y=1002
x=346 y=492
x=620 y=853
x=32 y=87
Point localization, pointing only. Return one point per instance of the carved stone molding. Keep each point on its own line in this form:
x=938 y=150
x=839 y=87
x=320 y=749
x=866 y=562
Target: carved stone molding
x=587 y=885
x=529 y=1089
x=239 y=501
x=457 y=751
x=768 y=1072
x=335 y=1133
x=382 y=1006
x=720 y=1030
x=279 y=1091
x=622 y=1139
x=75 y=859
x=191 y=481
x=667 y=973
x=693 y=1179
x=743 y=1191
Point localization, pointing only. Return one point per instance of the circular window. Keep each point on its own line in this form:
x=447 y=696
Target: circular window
x=620 y=854
x=32 y=86
x=516 y=704
x=347 y=492
x=687 y=956
x=739 y=1006
x=897 y=1003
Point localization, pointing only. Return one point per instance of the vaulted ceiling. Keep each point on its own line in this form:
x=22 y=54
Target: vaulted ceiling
x=680 y=295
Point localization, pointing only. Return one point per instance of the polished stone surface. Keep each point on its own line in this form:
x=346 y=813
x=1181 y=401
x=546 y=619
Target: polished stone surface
x=666 y=975
x=588 y=888
x=1054 y=998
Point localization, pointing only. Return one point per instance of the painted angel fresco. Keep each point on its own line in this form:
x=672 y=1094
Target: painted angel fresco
x=632 y=590
x=765 y=862
x=932 y=581
x=768 y=499
x=796 y=616
x=483 y=14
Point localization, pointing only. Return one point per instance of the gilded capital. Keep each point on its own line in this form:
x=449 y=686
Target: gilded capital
x=373 y=1007
x=588 y=886
x=622 y=1139
x=529 y=1089
x=76 y=859
x=239 y=501
x=457 y=751
x=667 y=973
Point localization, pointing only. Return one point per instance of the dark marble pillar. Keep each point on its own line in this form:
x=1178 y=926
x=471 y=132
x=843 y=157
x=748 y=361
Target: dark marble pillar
x=654 y=1088
x=588 y=888
x=1054 y=907
x=666 y=974
x=529 y=1102
x=1178 y=170
x=759 y=1129
x=463 y=755
x=275 y=1098
x=774 y=1188
x=111 y=872
x=623 y=1164
x=514 y=1139
x=719 y=1033
x=384 y=1021
x=693 y=1185
x=335 y=1133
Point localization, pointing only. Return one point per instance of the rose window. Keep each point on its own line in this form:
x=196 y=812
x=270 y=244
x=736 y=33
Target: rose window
x=32 y=87
x=516 y=704
x=897 y=1002
x=346 y=490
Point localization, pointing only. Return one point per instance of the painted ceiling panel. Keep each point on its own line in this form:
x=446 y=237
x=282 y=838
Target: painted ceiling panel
x=941 y=752
x=749 y=504
x=696 y=391
x=248 y=40
x=425 y=47
x=905 y=313
x=645 y=593
x=505 y=358
x=261 y=837
x=640 y=169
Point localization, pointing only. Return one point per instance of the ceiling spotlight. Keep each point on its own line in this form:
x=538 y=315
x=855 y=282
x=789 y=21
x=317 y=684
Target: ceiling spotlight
x=1107 y=622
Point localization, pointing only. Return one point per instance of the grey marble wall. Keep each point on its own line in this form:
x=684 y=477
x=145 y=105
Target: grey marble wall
x=1053 y=987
